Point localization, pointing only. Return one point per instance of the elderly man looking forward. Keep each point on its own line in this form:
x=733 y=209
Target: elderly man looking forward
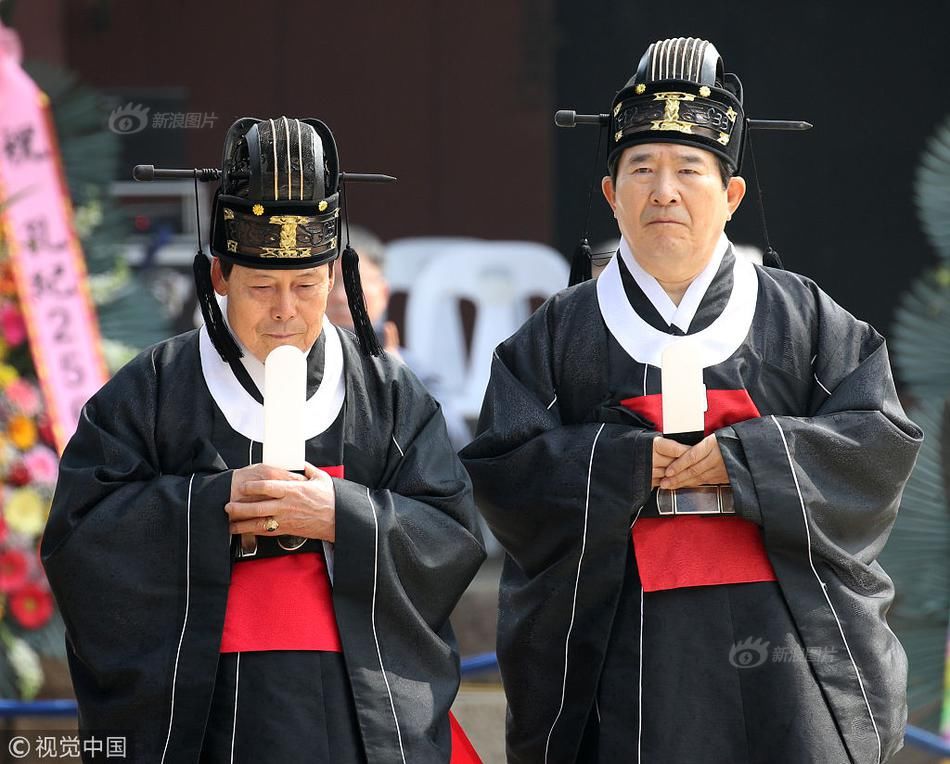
x=679 y=593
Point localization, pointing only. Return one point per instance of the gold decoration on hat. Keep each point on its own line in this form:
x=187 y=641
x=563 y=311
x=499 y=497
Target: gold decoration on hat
x=288 y=237
x=704 y=91
x=258 y=209
x=323 y=205
x=731 y=113
x=671 y=112
x=228 y=213
x=640 y=89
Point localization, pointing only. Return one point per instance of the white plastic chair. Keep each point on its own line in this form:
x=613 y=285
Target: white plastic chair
x=500 y=278
x=405 y=258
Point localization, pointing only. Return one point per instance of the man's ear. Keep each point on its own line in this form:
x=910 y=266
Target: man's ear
x=218 y=281
x=607 y=186
x=331 y=273
x=735 y=192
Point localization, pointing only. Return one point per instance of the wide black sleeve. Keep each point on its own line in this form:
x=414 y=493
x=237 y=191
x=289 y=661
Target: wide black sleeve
x=533 y=467
x=132 y=554
x=406 y=548
x=559 y=482
x=825 y=488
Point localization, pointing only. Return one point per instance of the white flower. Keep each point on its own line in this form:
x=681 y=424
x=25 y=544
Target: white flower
x=26 y=665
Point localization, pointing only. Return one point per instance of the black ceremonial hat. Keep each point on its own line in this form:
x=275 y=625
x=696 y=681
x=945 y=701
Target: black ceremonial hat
x=278 y=207
x=279 y=202
x=680 y=94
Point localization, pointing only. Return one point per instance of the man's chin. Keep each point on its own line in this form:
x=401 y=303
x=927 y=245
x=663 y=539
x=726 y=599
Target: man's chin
x=269 y=341
x=666 y=245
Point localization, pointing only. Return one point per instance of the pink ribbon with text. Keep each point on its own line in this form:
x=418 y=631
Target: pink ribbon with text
x=48 y=265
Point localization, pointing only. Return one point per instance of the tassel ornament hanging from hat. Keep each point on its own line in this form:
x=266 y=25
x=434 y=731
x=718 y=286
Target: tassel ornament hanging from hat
x=581 y=268
x=581 y=263
x=770 y=258
x=352 y=284
x=362 y=326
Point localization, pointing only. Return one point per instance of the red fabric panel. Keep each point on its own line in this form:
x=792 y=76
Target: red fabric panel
x=281 y=603
x=723 y=408
x=463 y=752
x=726 y=407
x=680 y=551
x=650 y=407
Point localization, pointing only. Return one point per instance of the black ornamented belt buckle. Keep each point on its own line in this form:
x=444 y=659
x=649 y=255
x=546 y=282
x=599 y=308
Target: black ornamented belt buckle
x=705 y=500
x=250 y=546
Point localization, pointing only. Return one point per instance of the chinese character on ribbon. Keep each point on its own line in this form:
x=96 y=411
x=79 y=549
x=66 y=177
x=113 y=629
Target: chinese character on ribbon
x=18 y=145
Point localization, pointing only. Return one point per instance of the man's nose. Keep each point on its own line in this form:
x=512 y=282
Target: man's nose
x=286 y=306
x=665 y=191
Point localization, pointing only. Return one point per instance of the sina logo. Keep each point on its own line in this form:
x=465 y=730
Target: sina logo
x=749 y=653
x=127 y=119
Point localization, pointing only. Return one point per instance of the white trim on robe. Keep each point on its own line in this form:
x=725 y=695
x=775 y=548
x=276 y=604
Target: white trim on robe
x=645 y=344
x=246 y=416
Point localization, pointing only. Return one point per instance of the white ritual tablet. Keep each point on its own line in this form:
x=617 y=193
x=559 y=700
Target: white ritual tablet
x=285 y=393
x=684 y=394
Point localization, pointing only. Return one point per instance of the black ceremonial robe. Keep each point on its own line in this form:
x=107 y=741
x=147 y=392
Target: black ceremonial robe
x=139 y=555
x=795 y=667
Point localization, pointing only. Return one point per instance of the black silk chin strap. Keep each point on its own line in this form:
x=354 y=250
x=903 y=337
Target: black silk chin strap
x=244 y=378
x=316 y=359
x=211 y=312
x=217 y=330
x=581 y=262
x=770 y=257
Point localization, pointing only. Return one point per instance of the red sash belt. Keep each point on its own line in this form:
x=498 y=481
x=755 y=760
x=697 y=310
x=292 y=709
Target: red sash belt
x=676 y=552
x=280 y=603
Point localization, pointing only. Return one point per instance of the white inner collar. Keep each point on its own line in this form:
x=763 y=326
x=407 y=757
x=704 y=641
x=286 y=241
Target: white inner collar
x=246 y=416
x=679 y=315
x=645 y=344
